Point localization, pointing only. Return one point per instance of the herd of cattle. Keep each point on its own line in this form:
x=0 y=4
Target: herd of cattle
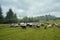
x=37 y=25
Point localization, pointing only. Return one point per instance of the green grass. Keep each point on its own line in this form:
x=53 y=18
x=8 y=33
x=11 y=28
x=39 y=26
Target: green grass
x=7 y=33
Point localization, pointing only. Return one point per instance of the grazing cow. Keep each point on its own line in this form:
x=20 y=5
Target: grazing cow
x=23 y=25
x=30 y=24
x=36 y=25
x=58 y=25
x=33 y=25
x=49 y=26
x=14 y=25
x=42 y=24
x=53 y=24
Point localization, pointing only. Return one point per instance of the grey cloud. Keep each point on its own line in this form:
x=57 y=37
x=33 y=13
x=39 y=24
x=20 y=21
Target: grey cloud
x=32 y=7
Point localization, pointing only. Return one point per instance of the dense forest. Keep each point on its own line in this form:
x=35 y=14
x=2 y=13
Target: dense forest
x=11 y=17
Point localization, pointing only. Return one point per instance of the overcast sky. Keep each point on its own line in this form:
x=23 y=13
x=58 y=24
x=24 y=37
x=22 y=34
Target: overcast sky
x=32 y=8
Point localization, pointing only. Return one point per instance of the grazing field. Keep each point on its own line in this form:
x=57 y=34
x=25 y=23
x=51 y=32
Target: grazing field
x=7 y=33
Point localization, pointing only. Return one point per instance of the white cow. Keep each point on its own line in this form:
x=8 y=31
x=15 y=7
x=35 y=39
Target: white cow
x=14 y=25
x=49 y=25
x=58 y=25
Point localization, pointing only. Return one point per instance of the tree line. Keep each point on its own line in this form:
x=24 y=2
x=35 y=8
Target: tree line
x=38 y=18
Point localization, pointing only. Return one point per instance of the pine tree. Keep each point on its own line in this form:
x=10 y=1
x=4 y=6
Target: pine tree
x=9 y=14
x=1 y=16
x=11 y=17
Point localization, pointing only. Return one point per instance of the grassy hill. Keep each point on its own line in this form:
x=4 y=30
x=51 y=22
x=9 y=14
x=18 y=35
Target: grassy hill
x=7 y=33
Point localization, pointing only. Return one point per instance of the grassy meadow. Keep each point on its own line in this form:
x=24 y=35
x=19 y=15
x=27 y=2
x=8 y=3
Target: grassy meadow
x=7 y=33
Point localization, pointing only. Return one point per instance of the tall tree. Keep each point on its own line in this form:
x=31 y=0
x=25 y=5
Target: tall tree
x=10 y=17
x=1 y=16
x=9 y=14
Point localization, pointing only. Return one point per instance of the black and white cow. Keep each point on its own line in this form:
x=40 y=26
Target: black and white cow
x=23 y=25
x=36 y=25
x=33 y=25
x=30 y=24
